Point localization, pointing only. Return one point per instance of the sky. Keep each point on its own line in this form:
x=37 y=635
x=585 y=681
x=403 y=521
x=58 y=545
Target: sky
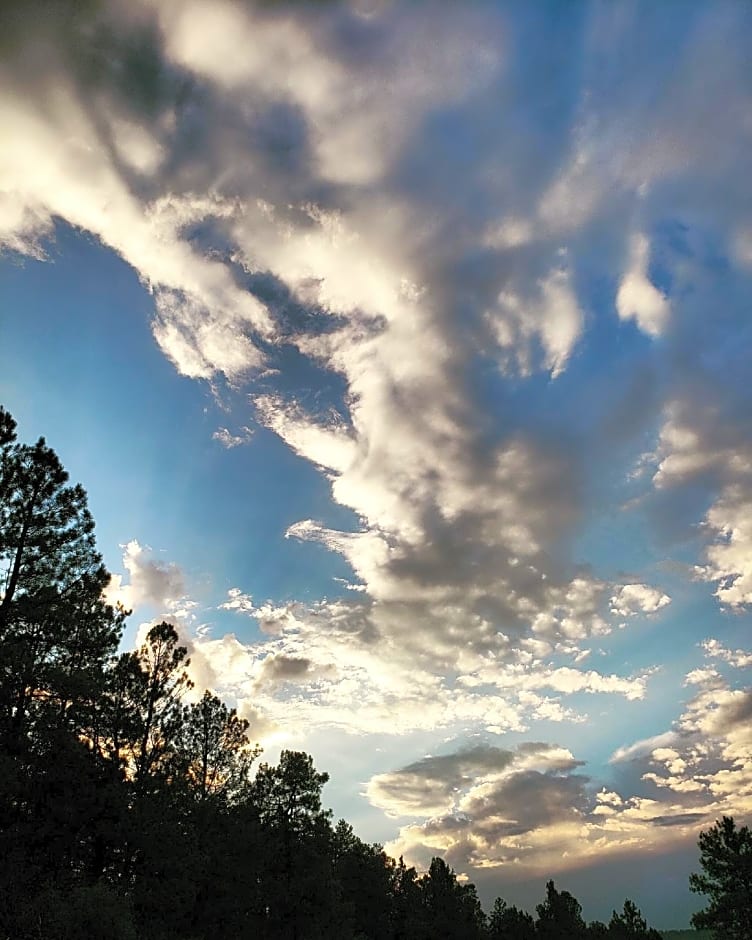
x=403 y=350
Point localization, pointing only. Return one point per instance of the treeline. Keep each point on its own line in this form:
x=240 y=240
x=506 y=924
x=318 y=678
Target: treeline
x=131 y=810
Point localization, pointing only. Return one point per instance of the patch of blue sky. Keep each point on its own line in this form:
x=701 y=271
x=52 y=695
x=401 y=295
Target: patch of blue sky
x=79 y=365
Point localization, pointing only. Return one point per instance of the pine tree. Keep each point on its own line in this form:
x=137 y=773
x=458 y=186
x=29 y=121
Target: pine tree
x=211 y=751
x=560 y=915
x=726 y=861
x=56 y=631
x=58 y=794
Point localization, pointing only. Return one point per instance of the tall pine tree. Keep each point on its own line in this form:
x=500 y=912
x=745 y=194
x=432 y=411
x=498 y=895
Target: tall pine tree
x=57 y=639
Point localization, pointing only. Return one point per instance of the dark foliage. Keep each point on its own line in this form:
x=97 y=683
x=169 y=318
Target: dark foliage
x=509 y=923
x=560 y=916
x=630 y=923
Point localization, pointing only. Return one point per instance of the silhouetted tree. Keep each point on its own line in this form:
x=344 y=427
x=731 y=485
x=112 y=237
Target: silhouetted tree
x=597 y=930
x=162 y=852
x=560 y=915
x=161 y=683
x=407 y=910
x=726 y=861
x=298 y=884
x=289 y=794
x=453 y=911
x=58 y=796
x=56 y=631
x=208 y=771
x=509 y=923
x=211 y=751
x=93 y=911
x=364 y=879
x=630 y=924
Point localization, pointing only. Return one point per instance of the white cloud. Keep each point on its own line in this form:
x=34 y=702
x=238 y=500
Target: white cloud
x=238 y=601
x=62 y=167
x=137 y=147
x=641 y=748
x=638 y=298
x=685 y=449
x=376 y=654
x=635 y=598
x=709 y=752
x=327 y=445
x=430 y=786
x=151 y=582
x=552 y=316
x=742 y=247
x=23 y=226
x=697 y=442
x=524 y=820
x=704 y=675
x=729 y=558
x=510 y=232
x=229 y=440
x=358 y=119
x=739 y=659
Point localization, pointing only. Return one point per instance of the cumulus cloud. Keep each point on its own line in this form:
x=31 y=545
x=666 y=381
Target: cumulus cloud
x=66 y=168
x=151 y=582
x=336 y=652
x=739 y=659
x=238 y=601
x=703 y=441
x=705 y=761
x=528 y=812
x=633 y=599
x=24 y=228
x=703 y=675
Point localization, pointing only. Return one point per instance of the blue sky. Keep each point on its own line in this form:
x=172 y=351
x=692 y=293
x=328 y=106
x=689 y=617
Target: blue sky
x=403 y=351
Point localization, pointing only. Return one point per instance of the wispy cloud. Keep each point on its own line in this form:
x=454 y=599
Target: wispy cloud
x=229 y=440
